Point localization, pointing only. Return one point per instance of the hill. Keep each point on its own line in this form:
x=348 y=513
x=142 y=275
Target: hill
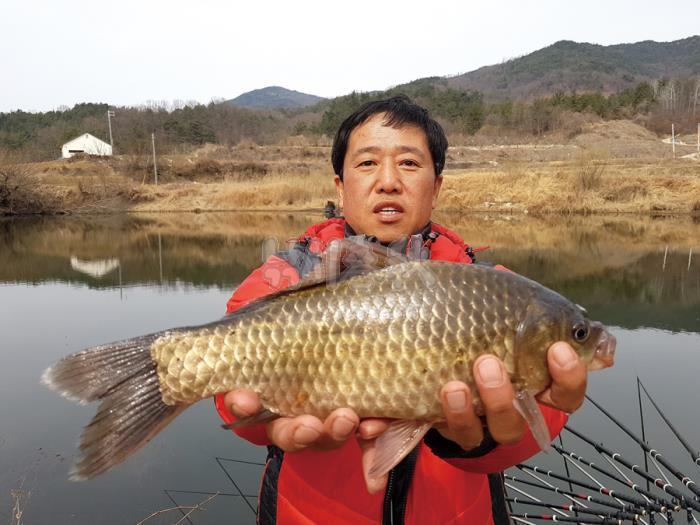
x=274 y=97
x=571 y=66
x=655 y=84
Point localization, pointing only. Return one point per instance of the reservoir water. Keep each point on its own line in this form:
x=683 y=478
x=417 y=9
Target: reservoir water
x=69 y=283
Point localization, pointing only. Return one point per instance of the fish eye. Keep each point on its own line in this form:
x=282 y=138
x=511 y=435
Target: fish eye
x=580 y=332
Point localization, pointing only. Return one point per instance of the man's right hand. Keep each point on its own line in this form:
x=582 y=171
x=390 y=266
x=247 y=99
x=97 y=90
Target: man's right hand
x=292 y=434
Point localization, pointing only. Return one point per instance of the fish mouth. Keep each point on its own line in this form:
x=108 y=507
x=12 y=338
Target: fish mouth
x=604 y=355
x=388 y=211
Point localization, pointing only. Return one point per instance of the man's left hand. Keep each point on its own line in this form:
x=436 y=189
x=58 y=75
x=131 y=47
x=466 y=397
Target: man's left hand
x=505 y=424
x=463 y=426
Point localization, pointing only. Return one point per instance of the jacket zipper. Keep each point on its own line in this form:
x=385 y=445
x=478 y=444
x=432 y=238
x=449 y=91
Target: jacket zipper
x=388 y=504
x=400 y=478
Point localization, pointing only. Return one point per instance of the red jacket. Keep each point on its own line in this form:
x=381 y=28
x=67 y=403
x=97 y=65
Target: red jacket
x=438 y=483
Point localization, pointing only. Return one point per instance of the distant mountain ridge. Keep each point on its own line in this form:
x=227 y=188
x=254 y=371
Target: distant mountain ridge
x=573 y=66
x=564 y=66
x=274 y=97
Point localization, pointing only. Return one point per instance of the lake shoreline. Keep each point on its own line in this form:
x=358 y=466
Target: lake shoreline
x=574 y=182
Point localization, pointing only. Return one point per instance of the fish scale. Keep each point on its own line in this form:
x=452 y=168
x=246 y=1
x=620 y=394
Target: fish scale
x=276 y=349
x=382 y=342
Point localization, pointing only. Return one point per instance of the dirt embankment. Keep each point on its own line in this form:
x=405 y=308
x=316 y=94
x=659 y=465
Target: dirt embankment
x=609 y=167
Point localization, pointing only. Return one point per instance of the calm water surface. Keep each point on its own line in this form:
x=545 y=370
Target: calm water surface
x=66 y=284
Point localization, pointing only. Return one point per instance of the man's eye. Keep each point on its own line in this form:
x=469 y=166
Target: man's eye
x=409 y=163
x=366 y=163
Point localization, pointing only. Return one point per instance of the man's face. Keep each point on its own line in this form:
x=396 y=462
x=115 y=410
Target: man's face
x=389 y=187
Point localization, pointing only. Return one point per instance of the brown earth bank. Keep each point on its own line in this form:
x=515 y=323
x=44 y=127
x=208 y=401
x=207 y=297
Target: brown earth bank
x=609 y=167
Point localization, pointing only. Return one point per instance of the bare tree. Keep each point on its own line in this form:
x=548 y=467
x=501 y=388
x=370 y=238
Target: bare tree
x=15 y=184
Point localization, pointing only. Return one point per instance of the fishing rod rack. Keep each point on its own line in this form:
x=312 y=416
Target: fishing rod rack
x=615 y=492
x=618 y=491
x=251 y=500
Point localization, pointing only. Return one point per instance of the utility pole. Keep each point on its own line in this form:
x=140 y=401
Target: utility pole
x=155 y=167
x=110 y=114
x=673 y=139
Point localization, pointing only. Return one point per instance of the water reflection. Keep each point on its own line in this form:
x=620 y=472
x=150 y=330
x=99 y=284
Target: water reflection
x=629 y=271
x=69 y=283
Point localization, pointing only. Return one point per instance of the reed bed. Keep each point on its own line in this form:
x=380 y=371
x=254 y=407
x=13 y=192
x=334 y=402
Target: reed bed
x=577 y=187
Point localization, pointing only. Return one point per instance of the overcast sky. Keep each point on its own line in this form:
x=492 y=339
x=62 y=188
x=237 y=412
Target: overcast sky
x=125 y=52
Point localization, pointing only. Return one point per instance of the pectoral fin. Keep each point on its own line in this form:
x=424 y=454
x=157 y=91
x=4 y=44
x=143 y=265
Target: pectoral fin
x=526 y=404
x=396 y=443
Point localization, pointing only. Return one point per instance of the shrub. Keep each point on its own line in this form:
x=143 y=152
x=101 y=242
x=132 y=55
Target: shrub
x=588 y=172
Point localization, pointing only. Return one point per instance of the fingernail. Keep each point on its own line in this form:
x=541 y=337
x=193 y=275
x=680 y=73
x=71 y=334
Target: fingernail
x=304 y=435
x=238 y=411
x=342 y=427
x=490 y=372
x=564 y=356
x=456 y=401
x=369 y=435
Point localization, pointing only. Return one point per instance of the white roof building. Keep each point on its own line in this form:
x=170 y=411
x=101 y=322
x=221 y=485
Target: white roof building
x=86 y=143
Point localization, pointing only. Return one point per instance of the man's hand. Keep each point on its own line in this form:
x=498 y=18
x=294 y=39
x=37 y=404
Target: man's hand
x=462 y=425
x=505 y=424
x=292 y=434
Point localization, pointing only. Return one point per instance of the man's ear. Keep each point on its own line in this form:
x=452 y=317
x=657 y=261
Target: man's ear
x=436 y=189
x=340 y=190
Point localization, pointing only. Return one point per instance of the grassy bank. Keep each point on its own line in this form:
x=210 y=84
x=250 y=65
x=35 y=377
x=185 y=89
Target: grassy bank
x=613 y=168
x=596 y=186
x=600 y=187
x=583 y=186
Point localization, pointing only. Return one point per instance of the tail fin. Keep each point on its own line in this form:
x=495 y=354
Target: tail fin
x=124 y=378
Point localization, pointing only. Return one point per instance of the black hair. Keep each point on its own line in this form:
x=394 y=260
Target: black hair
x=400 y=111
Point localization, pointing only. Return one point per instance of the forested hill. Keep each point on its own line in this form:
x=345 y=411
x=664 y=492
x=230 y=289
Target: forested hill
x=273 y=97
x=571 y=66
x=657 y=84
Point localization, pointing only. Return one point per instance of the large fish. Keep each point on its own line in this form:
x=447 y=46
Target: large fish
x=368 y=329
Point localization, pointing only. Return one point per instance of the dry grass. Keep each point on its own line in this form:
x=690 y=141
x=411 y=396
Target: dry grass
x=588 y=171
x=279 y=192
x=22 y=191
x=601 y=186
x=608 y=167
x=589 y=182
x=20 y=499
x=180 y=509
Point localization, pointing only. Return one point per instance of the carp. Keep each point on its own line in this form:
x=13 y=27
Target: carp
x=368 y=329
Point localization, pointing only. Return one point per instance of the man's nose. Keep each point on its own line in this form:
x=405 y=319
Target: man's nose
x=388 y=178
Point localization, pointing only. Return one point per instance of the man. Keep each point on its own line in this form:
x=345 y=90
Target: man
x=388 y=158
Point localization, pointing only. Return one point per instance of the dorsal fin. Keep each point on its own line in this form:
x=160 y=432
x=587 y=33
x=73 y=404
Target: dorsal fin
x=342 y=260
x=345 y=258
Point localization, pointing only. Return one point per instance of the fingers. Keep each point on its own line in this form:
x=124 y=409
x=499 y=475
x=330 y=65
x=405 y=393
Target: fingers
x=463 y=426
x=337 y=428
x=292 y=434
x=243 y=403
x=569 y=378
x=372 y=427
x=496 y=391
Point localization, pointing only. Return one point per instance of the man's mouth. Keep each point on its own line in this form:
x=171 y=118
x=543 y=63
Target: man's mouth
x=388 y=211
